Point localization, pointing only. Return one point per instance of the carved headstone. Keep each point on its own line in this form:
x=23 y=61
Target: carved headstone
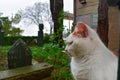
x=0 y=26
x=40 y=35
x=19 y=55
x=41 y=27
x=1 y=34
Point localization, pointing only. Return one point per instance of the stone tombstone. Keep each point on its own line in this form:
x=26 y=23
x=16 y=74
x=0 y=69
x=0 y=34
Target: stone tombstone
x=41 y=27
x=40 y=35
x=19 y=55
x=1 y=34
x=0 y=26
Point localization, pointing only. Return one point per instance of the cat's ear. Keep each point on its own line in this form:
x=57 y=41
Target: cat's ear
x=81 y=29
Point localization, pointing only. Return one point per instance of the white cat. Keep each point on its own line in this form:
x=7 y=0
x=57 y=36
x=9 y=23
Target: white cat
x=90 y=59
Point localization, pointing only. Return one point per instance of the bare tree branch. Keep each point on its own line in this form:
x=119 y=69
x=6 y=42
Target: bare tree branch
x=38 y=13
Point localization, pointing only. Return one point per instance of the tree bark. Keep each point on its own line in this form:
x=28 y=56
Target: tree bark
x=56 y=7
x=103 y=21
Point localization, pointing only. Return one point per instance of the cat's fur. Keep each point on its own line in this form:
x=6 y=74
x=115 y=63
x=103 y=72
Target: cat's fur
x=90 y=59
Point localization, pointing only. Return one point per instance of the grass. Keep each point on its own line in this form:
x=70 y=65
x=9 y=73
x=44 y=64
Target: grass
x=52 y=54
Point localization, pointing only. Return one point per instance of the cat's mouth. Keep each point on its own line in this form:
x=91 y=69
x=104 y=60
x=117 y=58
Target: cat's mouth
x=68 y=54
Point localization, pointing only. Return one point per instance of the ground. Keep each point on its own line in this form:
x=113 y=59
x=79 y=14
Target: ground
x=3 y=63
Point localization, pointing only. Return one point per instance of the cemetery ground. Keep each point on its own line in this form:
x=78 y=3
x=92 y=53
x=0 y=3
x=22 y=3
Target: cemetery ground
x=50 y=53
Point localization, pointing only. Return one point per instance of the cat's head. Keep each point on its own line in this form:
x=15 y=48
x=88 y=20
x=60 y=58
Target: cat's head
x=80 y=41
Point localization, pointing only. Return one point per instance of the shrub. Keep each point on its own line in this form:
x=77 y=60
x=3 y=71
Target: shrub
x=52 y=54
x=30 y=40
x=46 y=38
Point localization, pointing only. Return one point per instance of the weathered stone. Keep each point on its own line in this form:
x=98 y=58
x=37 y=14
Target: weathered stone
x=19 y=55
x=41 y=27
x=1 y=34
x=40 y=35
x=34 y=72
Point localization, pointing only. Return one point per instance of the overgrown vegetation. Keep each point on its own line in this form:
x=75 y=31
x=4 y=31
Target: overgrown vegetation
x=54 y=55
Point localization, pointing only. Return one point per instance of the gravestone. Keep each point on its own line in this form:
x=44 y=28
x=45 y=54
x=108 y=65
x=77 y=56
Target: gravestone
x=40 y=35
x=1 y=34
x=19 y=55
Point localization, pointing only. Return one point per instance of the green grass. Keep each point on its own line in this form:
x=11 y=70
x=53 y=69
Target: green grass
x=52 y=54
x=4 y=50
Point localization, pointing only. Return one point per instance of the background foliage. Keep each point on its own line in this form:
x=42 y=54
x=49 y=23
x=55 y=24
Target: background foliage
x=8 y=25
x=52 y=54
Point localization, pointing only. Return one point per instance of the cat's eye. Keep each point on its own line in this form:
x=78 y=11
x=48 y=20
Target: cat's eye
x=70 y=42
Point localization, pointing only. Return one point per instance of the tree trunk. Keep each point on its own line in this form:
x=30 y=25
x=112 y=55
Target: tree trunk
x=118 y=73
x=56 y=7
x=103 y=21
